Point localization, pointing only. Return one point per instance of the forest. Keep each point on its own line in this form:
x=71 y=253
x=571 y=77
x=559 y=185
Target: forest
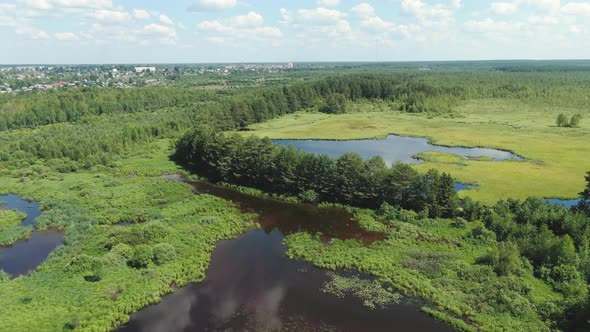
x=349 y=180
x=93 y=158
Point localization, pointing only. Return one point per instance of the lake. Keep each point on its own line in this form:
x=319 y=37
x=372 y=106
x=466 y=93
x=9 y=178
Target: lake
x=392 y=149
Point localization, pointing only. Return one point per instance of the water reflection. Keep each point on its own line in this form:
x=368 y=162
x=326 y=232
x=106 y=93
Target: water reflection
x=393 y=148
x=25 y=255
x=251 y=284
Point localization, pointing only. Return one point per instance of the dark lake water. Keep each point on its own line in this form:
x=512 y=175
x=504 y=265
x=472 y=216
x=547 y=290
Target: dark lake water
x=393 y=148
x=25 y=255
x=251 y=284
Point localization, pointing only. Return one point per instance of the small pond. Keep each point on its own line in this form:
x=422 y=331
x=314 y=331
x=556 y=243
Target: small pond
x=251 y=285
x=464 y=186
x=25 y=255
x=393 y=148
x=568 y=203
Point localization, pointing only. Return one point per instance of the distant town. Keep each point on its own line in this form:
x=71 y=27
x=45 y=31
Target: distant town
x=26 y=78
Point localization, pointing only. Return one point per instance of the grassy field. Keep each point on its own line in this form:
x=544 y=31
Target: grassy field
x=557 y=158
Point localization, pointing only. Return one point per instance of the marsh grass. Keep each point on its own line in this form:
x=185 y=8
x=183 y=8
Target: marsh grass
x=557 y=158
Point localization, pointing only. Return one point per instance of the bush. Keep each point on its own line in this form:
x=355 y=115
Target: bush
x=163 y=253
x=459 y=223
x=575 y=120
x=561 y=120
x=142 y=256
x=480 y=233
x=504 y=258
x=4 y=276
x=155 y=230
x=123 y=250
x=392 y=213
x=309 y=196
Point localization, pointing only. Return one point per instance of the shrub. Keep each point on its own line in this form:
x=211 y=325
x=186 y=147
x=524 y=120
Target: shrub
x=155 y=230
x=459 y=223
x=480 y=233
x=163 y=253
x=575 y=120
x=123 y=250
x=561 y=120
x=4 y=276
x=142 y=256
x=309 y=196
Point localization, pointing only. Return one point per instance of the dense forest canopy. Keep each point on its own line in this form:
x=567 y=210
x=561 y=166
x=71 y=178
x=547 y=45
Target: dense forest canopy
x=349 y=179
x=409 y=91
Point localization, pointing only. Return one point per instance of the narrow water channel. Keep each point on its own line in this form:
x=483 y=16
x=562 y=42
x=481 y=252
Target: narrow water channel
x=251 y=284
x=25 y=255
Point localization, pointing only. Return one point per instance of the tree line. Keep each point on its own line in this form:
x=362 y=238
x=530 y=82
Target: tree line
x=408 y=91
x=258 y=163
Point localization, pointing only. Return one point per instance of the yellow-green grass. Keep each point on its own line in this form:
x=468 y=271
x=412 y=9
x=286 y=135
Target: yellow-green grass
x=557 y=158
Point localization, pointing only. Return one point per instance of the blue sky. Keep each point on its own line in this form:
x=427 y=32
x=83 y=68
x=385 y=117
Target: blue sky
x=130 y=31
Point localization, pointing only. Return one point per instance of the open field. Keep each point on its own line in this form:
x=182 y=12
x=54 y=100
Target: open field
x=557 y=158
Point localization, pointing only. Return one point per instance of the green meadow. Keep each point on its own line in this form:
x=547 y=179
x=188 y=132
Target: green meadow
x=556 y=157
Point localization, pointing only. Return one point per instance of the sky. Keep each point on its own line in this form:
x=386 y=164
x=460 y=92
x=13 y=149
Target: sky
x=215 y=31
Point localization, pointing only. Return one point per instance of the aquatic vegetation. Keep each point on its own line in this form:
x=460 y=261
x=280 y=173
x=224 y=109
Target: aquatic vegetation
x=10 y=227
x=371 y=292
x=433 y=260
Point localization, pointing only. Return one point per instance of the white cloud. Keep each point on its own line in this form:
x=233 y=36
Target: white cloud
x=328 y=3
x=370 y=21
x=216 y=40
x=364 y=10
x=239 y=29
x=212 y=5
x=141 y=14
x=51 y=4
x=112 y=16
x=7 y=7
x=214 y=26
x=489 y=25
x=165 y=19
x=550 y=5
x=543 y=20
x=422 y=9
x=577 y=8
x=37 y=4
x=65 y=36
x=159 y=29
x=320 y=15
x=32 y=32
x=504 y=8
x=249 y=20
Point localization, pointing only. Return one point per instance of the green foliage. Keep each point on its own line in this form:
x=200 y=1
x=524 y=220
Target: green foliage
x=430 y=260
x=504 y=258
x=123 y=250
x=575 y=120
x=10 y=227
x=561 y=120
x=86 y=283
x=143 y=255
x=164 y=253
x=257 y=163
